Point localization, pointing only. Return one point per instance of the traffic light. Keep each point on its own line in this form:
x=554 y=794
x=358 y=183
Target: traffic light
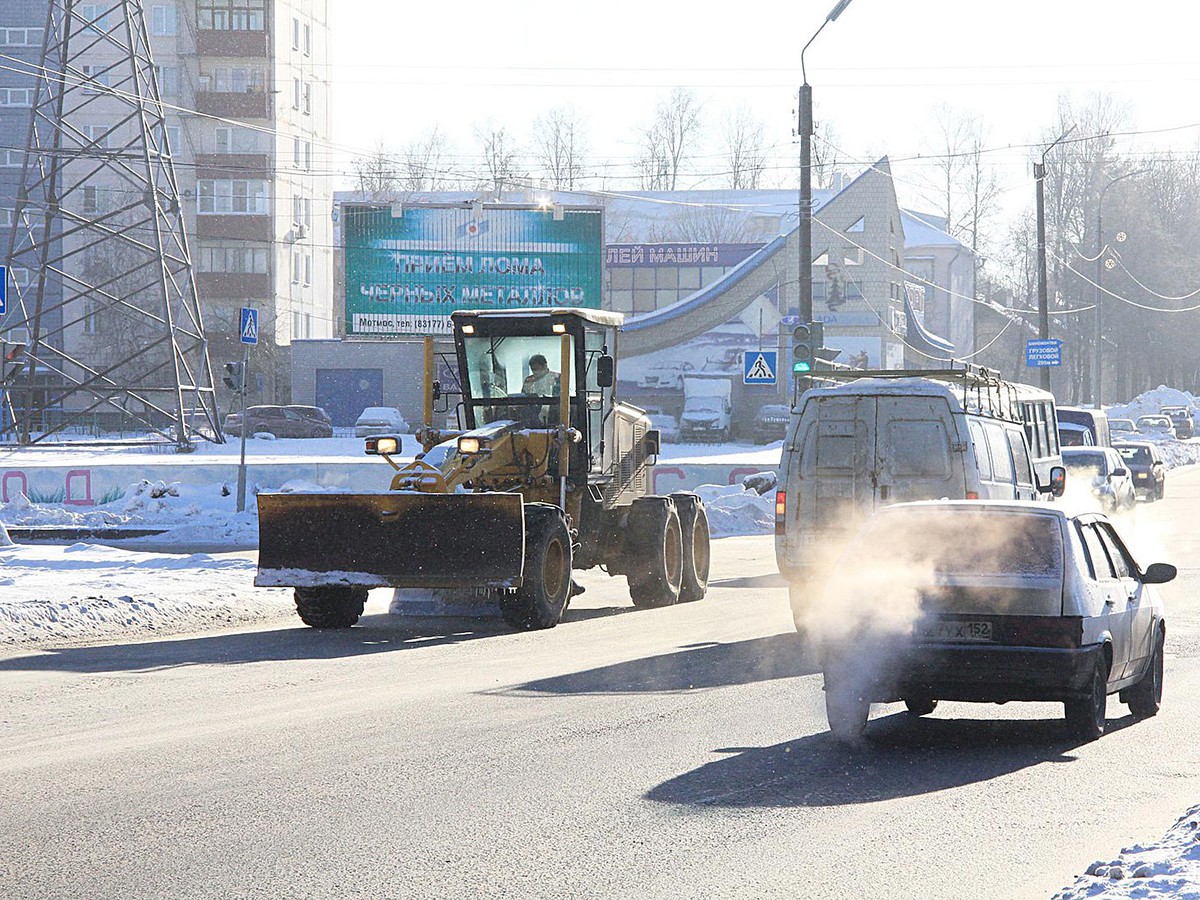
x=235 y=377
x=803 y=349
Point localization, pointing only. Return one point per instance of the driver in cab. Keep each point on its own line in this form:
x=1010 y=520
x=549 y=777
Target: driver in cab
x=541 y=382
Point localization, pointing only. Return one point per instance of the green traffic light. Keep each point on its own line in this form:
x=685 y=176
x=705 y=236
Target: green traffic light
x=801 y=367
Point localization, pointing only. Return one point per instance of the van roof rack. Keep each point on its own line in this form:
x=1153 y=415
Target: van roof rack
x=980 y=390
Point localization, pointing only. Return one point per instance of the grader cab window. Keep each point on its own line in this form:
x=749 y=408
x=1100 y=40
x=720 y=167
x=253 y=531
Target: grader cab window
x=522 y=371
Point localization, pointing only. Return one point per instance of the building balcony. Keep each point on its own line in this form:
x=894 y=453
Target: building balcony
x=233 y=286
x=247 y=44
x=233 y=165
x=234 y=105
x=235 y=227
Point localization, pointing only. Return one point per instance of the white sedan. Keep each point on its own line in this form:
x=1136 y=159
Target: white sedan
x=990 y=601
x=377 y=420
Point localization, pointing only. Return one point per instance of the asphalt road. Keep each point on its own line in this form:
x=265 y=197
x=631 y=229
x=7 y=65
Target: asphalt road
x=672 y=753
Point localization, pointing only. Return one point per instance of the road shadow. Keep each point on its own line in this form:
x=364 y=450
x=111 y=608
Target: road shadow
x=380 y=633
x=902 y=756
x=755 y=582
x=692 y=667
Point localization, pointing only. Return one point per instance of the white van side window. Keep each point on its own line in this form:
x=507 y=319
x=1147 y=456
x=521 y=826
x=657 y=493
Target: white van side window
x=1020 y=458
x=918 y=448
x=982 y=458
x=1001 y=462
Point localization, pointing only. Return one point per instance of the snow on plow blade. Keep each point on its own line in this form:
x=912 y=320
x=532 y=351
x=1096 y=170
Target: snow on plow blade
x=390 y=539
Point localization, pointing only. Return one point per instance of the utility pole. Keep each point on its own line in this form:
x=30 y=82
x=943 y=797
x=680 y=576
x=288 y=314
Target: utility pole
x=806 y=201
x=1039 y=174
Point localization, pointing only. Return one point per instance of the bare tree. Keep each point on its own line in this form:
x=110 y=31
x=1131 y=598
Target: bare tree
x=423 y=163
x=827 y=156
x=744 y=153
x=500 y=167
x=667 y=142
x=560 y=147
x=376 y=172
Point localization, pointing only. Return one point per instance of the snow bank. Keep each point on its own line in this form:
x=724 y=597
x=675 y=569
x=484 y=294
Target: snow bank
x=1169 y=868
x=1151 y=403
x=83 y=591
x=734 y=510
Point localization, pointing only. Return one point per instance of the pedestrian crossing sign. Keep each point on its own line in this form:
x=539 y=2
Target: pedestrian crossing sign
x=249 y=327
x=760 y=366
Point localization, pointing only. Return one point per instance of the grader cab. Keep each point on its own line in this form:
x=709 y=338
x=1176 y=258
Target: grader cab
x=547 y=473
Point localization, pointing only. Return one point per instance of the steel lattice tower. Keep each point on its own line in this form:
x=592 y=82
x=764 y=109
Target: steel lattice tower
x=109 y=314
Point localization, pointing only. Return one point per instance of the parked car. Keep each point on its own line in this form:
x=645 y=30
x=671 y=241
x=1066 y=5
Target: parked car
x=667 y=425
x=316 y=413
x=1156 y=425
x=1181 y=418
x=982 y=601
x=1146 y=466
x=376 y=420
x=771 y=423
x=280 y=421
x=1104 y=471
x=668 y=375
x=1121 y=427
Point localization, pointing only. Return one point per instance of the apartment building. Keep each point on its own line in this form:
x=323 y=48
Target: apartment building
x=246 y=85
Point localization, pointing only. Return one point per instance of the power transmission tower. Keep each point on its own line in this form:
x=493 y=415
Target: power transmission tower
x=108 y=315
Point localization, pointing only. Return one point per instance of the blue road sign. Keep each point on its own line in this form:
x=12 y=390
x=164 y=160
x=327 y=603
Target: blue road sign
x=1043 y=353
x=760 y=366
x=3 y=290
x=249 y=327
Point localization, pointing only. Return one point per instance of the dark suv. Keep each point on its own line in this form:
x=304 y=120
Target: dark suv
x=771 y=423
x=1181 y=418
x=1146 y=466
x=282 y=421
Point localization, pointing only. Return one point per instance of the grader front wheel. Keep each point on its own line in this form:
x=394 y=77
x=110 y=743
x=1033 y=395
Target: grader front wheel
x=330 y=607
x=546 y=583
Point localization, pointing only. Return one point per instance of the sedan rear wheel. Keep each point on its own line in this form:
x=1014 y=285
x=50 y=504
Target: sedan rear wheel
x=1145 y=697
x=1087 y=715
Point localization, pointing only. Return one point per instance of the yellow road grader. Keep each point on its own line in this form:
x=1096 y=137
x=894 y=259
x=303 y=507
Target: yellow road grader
x=548 y=472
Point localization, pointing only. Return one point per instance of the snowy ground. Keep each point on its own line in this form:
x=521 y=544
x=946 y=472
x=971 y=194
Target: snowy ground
x=1168 y=868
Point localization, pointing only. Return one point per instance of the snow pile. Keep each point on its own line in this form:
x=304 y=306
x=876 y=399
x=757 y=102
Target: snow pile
x=734 y=510
x=1151 y=403
x=83 y=591
x=1170 y=868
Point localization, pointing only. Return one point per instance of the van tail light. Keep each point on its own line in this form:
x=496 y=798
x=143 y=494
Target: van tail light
x=972 y=495
x=780 y=510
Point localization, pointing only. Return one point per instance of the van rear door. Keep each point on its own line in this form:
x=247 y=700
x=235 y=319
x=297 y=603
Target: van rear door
x=837 y=461
x=919 y=452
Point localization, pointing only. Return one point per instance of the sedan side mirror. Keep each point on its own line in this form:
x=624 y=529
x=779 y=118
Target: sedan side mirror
x=1159 y=573
x=1119 y=473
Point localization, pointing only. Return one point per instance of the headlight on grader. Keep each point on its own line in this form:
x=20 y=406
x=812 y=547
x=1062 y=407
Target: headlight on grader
x=469 y=445
x=383 y=446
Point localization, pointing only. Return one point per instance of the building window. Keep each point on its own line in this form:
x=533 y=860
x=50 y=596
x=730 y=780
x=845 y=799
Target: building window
x=308 y=156
x=164 y=21
x=95 y=77
x=236 y=139
x=19 y=276
x=307 y=100
x=89 y=316
x=239 y=80
x=295 y=93
x=233 y=258
x=11 y=159
x=95 y=17
x=295 y=34
x=297 y=265
x=297 y=152
x=97 y=135
x=16 y=97
x=7 y=217
x=91 y=200
x=231 y=15
x=853 y=256
x=308 y=268
x=238 y=197
x=23 y=37
x=307 y=40
x=168 y=80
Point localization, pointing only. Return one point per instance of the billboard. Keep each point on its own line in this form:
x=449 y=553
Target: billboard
x=408 y=267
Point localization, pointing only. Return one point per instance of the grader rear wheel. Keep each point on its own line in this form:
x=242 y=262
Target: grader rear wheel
x=656 y=539
x=693 y=522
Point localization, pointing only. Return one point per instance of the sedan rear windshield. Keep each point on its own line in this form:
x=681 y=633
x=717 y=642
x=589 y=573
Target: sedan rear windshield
x=963 y=541
x=1135 y=454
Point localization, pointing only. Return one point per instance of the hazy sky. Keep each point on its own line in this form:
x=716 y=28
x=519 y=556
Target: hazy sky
x=878 y=73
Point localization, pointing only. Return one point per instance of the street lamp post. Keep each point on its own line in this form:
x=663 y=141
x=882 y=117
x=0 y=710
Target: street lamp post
x=806 y=132
x=1098 y=314
x=1039 y=175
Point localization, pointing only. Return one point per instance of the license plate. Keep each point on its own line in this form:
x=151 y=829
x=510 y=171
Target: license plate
x=957 y=631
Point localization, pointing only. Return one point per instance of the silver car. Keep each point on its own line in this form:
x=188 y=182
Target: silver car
x=986 y=601
x=1102 y=471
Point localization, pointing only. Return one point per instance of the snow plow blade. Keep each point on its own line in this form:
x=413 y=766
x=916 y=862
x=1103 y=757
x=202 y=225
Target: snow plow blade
x=390 y=539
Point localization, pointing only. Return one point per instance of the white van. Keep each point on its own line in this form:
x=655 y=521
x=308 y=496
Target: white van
x=856 y=447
